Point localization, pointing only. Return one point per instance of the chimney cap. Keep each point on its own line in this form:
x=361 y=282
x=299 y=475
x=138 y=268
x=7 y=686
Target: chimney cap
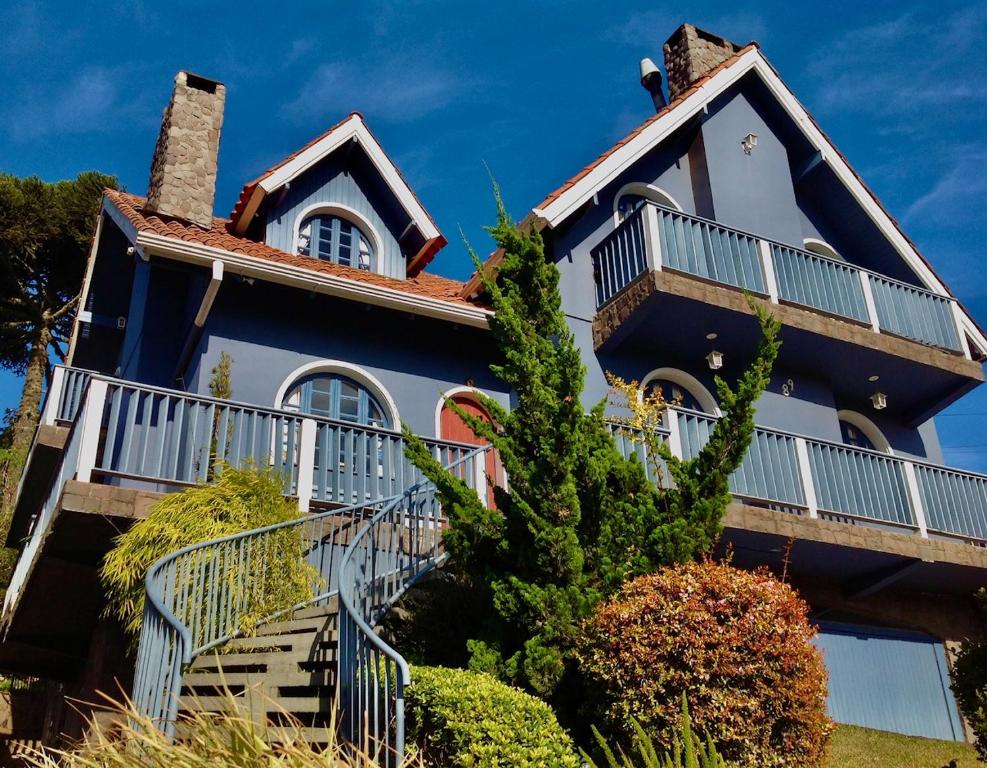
x=199 y=82
x=648 y=70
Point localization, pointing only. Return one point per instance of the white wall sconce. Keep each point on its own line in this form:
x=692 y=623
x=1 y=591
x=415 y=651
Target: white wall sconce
x=749 y=142
x=879 y=400
x=715 y=360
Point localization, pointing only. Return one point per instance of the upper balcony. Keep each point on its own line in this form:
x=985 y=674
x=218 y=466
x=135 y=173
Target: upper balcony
x=837 y=316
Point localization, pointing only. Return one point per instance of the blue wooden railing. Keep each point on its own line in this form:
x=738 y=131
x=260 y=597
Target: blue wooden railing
x=845 y=483
x=655 y=237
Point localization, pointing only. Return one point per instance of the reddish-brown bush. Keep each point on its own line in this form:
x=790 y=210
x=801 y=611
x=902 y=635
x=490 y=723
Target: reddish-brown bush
x=737 y=643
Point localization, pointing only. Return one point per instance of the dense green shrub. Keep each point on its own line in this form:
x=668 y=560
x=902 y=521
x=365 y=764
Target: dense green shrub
x=463 y=718
x=970 y=681
x=687 y=750
x=237 y=500
x=735 y=643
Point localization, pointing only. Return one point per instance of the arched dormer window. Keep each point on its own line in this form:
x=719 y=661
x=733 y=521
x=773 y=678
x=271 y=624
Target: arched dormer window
x=333 y=396
x=332 y=238
x=860 y=432
x=681 y=389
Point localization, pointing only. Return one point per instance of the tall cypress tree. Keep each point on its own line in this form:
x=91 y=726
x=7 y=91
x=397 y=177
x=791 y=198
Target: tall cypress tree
x=576 y=518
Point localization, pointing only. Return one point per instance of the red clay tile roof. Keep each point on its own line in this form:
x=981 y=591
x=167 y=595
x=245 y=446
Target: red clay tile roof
x=219 y=236
x=657 y=116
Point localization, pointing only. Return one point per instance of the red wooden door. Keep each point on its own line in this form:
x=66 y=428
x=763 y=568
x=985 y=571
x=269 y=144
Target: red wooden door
x=453 y=428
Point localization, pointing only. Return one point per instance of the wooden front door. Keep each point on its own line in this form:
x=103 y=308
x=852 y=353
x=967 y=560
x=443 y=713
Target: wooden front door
x=454 y=429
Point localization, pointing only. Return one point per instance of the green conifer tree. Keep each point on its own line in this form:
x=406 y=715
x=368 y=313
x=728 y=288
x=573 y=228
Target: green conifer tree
x=576 y=518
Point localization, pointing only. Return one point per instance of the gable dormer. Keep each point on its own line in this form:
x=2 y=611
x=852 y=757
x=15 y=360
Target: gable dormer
x=341 y=199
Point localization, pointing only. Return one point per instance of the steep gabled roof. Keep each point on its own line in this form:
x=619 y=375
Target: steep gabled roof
x=574 y=193
x=353 y=128
x=219 y=236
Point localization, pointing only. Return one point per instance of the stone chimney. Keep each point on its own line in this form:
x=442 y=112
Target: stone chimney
x=183 y=169
x=690 y=53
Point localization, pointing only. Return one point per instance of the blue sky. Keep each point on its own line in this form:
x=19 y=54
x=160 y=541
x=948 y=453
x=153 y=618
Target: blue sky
x=534 y=90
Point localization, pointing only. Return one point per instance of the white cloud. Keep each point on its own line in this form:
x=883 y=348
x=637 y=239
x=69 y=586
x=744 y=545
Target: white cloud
x=92 y=101
x=958 y=193
x=394 y=91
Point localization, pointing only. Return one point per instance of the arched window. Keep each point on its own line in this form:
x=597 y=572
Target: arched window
x=822 y=248
x=682 y=389
x=674 y=393
x=335 y=239
x=859 y=431
x=632 y=196
x=333 y=396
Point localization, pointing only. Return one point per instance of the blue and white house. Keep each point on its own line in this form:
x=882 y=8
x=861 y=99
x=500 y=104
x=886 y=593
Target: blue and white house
x=317 y=288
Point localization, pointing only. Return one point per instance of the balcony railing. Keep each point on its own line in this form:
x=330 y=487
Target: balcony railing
x=840 y=482
x=123 y=432
x=654 y=238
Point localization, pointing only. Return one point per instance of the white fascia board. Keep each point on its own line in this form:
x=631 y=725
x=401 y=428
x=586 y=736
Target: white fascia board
x=333 y=285
x=613 y=165
x=354 y=128
x=124 y=224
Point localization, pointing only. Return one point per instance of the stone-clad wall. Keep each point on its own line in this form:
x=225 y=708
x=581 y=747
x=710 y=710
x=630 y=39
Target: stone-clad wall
x=690 y=53
x=183 y=169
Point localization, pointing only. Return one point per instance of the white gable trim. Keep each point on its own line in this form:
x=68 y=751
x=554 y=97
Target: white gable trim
x=351 y=129
x=623 y=157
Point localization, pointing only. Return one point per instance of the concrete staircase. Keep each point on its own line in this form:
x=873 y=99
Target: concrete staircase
x=288 y=667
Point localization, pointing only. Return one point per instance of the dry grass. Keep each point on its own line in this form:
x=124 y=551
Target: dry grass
x=853 y=747
x=207 y=741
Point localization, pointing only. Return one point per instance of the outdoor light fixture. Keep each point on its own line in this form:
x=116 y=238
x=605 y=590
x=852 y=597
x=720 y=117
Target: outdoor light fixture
x=749 y=142
x=715 y=360
x=880 y=401
x=873 y=378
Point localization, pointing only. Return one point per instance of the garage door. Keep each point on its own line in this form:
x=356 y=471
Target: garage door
x=889 y=680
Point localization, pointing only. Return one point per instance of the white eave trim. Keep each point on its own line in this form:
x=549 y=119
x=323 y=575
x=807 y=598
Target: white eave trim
x=352 y=129
x=612 y=166
x=333 y=285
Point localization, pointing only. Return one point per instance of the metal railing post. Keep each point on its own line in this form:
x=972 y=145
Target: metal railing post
x=869 y=301
x=768 y=267
x=652 y=238
x=915 y=498
x=805 y=473
x=54 y=397
x=91 y=421
x=306 y=463
x=674 y=437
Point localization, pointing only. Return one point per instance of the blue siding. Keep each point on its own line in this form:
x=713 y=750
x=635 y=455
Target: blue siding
x=349 y=183
x=889 y=680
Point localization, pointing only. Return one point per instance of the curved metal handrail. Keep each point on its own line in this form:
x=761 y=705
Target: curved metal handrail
x=372 y=674
x=191 y=605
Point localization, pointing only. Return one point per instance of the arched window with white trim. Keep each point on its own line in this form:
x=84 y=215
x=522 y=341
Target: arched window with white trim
x=334 y=396
x=860 y=432
x=329 y=237
x=681 y=389
x=632 y=196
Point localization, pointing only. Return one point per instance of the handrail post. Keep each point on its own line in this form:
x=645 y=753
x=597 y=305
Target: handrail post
x=869 y=301
x=652 y=238
x=674 y=437
x=54 y=397
x=91 y=422
x=805 y=473
x=768 y=267
x=306 y=464
x=480 y=476
x=915 y=498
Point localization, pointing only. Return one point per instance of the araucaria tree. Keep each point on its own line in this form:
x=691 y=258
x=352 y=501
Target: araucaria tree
x=576 y=518
x=45 y=234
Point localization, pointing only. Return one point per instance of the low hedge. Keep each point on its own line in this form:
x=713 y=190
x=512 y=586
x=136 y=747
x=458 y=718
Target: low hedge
x=470 y=719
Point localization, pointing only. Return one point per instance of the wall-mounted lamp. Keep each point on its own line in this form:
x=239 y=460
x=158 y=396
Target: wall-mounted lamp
x=715 y=360
x=749 y=142
x=880 y=401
